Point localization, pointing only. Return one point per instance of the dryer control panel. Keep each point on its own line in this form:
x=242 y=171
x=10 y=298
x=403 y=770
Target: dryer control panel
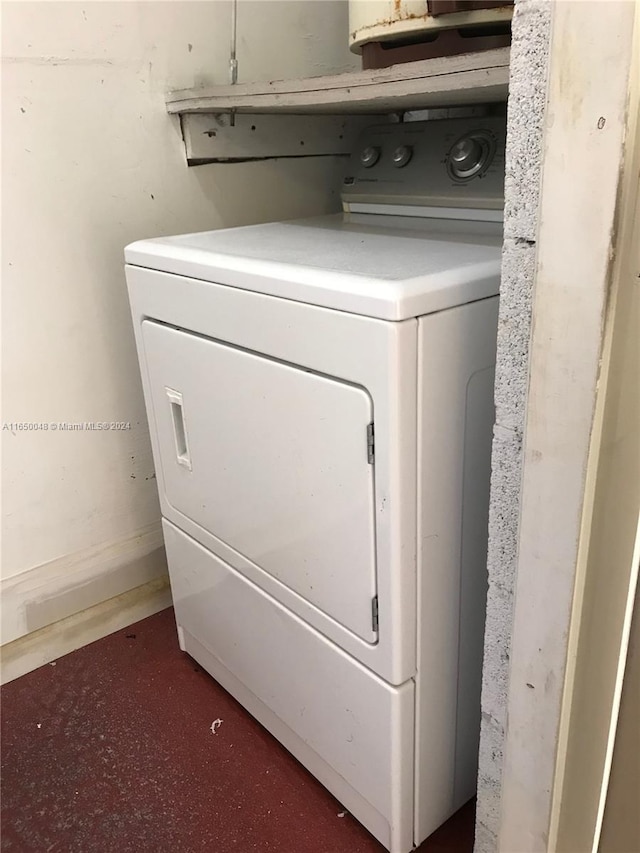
x=453 y=163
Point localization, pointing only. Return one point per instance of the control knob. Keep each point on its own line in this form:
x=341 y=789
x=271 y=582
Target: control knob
x=470 y=155
x=402 y=155
x=369 y=156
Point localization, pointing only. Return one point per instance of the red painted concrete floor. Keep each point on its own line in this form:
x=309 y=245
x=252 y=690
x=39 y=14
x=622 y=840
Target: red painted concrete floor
x=111 y=749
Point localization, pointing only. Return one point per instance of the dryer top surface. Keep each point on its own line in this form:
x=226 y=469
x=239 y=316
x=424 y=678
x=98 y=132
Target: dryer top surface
x=387 y=267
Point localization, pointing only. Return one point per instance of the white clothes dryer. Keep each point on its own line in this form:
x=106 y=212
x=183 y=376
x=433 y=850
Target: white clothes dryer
x=320 y=402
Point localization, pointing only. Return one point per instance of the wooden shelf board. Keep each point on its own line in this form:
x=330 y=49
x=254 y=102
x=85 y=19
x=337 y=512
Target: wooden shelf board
x=446 y=81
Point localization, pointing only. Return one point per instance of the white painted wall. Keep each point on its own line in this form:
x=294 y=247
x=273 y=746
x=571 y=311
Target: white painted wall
x=91 y=162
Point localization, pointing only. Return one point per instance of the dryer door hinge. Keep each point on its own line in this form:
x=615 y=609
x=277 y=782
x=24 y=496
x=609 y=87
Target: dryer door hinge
x=374 y=614
x=371 y=449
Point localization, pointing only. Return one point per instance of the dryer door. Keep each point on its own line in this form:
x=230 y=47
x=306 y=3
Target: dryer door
x=272 y=460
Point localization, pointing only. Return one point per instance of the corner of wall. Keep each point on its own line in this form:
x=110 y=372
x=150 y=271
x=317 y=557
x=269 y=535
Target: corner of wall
x=525 y=129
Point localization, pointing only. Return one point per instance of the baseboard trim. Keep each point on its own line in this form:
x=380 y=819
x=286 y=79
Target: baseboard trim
x=66 y=635
x=53 y=591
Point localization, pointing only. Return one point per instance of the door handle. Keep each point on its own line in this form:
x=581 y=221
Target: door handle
x=179 y=429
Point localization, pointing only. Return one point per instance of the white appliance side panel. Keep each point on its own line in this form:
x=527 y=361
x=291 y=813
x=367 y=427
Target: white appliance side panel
x=373 y=354
x=354 y=722
x=480 y=417
x=272 y=460
x=456 y=416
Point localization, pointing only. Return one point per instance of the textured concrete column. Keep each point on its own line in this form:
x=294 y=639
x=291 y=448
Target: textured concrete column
x=525 y=126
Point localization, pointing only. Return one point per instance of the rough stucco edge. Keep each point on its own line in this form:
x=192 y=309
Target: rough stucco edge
x=525 y=128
